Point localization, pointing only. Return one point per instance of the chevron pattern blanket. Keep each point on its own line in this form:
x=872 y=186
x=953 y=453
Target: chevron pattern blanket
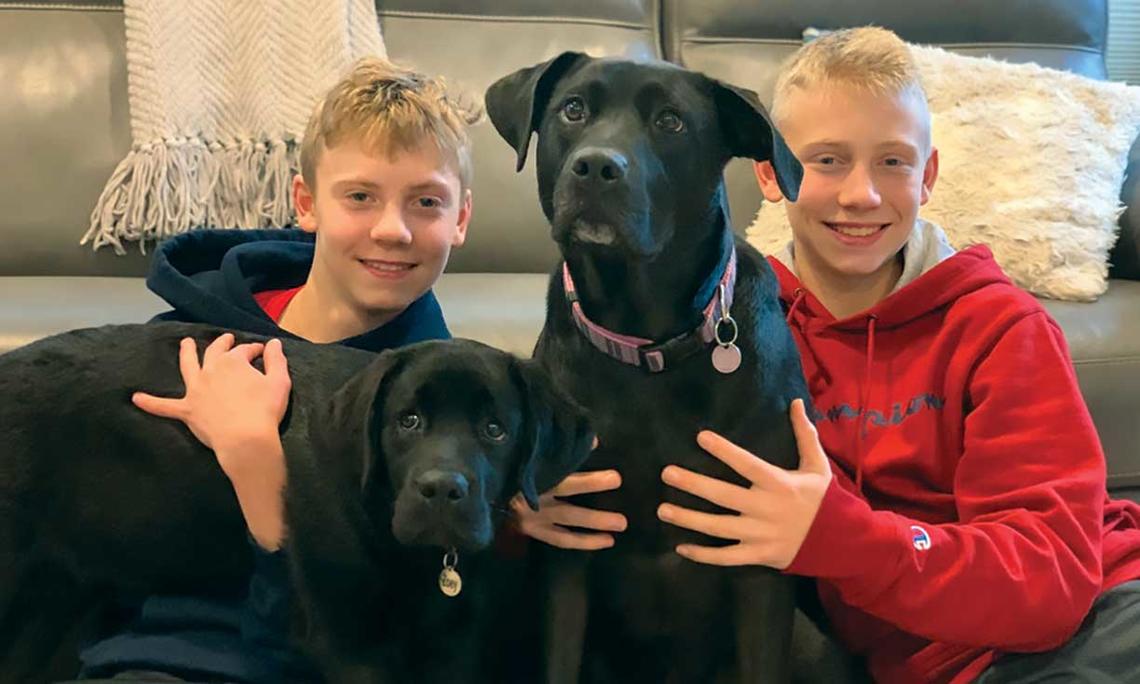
x=219 y=93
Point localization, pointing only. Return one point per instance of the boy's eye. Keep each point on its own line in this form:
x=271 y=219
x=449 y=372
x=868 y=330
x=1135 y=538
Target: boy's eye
x=669 y=121
x=826 y=161
x=358 y=196
x=574 y=109
x=429 y=203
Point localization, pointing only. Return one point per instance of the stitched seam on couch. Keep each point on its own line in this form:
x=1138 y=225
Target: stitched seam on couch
x=948 y=46
x=55 y=6
x=1117 y=480
x=405 y=14
x=1107 y=361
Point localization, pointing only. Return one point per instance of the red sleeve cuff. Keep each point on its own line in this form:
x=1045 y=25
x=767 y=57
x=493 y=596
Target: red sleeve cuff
x=849 y=540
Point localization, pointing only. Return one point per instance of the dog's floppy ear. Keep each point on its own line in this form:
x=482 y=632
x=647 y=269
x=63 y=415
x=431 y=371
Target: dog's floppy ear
x=355 y=410
x=751 y=133
x=557 y=436
x=516 y=101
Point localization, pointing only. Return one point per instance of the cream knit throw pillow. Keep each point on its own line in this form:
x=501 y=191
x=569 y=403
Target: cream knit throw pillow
x=1031 y=164
x=219 y=93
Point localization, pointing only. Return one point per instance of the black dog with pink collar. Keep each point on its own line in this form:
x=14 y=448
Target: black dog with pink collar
x=630 y=163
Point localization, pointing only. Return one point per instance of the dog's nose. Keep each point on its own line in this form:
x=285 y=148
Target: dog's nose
x=442 y=486
x=599 y=164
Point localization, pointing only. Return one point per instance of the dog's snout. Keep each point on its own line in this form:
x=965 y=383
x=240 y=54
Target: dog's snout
x=599 y=165
x=442 y=486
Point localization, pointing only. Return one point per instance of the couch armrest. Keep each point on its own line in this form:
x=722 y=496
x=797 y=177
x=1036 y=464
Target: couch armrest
x=1125 y=256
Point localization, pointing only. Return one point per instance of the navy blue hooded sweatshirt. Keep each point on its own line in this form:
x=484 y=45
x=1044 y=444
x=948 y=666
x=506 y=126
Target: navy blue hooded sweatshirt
x=237 y=633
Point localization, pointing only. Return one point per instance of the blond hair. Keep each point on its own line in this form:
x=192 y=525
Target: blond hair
x=390 y=109
x=870 y=59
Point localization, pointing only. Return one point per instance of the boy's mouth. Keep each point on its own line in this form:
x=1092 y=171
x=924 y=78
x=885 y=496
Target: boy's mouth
x=387 y=269
x=855 y=230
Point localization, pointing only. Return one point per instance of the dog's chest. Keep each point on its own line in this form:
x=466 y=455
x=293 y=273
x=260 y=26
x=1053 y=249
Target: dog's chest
x=646 y=422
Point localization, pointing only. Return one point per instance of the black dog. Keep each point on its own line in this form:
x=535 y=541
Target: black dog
x=660 y=325
x=387 y=455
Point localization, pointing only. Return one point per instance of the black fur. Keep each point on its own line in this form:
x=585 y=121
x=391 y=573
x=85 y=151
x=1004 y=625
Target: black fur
x=639 y=213
x=97 y=496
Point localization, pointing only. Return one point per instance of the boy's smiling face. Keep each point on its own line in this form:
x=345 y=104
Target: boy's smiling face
x=385 y=226
x=868 y=167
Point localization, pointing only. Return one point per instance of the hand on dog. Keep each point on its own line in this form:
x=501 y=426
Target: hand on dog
x=775 y=513
x=547 y=523
x=235 y=409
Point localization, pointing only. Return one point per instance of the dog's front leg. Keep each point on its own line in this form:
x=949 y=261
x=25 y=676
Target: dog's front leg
x=765 y=609
x=567 y=611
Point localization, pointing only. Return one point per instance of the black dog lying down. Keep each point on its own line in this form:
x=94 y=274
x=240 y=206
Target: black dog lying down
x=660 y=325
x=392 y=459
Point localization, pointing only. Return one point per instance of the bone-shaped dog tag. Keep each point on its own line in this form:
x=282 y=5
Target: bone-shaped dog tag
x=450 y=583
x=726 y=358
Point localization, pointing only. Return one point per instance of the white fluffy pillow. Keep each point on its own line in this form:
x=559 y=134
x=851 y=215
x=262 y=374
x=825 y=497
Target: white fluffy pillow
x=1031 y=164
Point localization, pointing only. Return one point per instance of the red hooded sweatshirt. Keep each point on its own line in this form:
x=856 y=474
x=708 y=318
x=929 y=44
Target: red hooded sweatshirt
x=968 y=513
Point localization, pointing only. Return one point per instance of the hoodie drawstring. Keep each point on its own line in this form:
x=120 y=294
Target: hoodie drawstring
x=797 y=297
x=866 y=395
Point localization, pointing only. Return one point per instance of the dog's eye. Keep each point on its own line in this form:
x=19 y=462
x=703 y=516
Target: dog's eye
x=670 y=122
x=574 y=109
x=494 y=431
x=410 y=420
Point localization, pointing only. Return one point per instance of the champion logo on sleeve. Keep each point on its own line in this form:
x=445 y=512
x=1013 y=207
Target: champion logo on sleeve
x=919 y=538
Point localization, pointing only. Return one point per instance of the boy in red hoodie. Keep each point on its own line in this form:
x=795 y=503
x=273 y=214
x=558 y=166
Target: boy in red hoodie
x=952 y=504
x=961 y=530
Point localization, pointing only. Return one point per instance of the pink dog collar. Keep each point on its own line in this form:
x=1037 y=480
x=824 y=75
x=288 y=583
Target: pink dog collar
x=637 y=351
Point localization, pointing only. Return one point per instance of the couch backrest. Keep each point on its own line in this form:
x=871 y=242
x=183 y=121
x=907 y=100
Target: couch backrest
x=64 y=121
x=63 y=128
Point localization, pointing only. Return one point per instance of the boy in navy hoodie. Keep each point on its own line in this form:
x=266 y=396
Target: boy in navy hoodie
x=382 y=198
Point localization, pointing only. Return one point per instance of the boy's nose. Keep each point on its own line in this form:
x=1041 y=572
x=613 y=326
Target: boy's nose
x=858 y=189
x=391 y=227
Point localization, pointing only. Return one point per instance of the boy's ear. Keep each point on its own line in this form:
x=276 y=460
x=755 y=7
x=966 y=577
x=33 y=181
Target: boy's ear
x=303 y=205
x=464 y=219
x=766 y=178
x=750 y=133
x=515 y=103
x=929 y=175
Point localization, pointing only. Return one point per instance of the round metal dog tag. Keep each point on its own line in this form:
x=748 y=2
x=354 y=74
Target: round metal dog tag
x=726 y=358
x=450 y=583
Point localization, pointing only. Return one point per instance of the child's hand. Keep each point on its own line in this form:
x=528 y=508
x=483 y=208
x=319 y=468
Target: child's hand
x=775 y=513
x=235 y=409
x=546 y=524
x=228 y=402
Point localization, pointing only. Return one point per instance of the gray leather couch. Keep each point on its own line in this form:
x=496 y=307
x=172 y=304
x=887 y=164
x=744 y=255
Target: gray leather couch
x=64 y=126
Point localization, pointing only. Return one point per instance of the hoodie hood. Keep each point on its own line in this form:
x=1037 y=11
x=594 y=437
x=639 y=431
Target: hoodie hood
x=210 y=276
x=934 y=275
